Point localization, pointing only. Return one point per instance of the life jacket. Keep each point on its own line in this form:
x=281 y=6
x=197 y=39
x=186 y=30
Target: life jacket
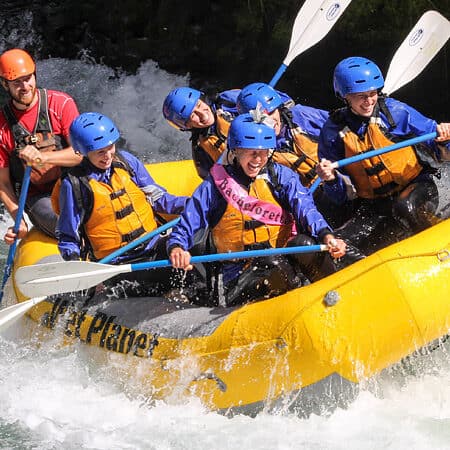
x=301 y=155
x=114 y=213
x=43 y=138
x=214 y=139
x=238 y=229
x=382 y=175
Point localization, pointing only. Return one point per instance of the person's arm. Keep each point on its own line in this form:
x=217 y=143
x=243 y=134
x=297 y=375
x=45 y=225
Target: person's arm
x=69 y=222
x=195 y=217
x=306 y=213
x=66 y=157
x=9 y=199
x=330 y=149
x=62 y=111
x=410 y=122
x=300 y=202
x=161 y=201
x=311 y=120
x=443 y=142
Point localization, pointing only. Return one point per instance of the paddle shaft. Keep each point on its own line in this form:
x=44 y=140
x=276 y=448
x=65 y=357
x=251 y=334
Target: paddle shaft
x=372 y=153
x=103 y=269
x=19 y=216
x=233 y=255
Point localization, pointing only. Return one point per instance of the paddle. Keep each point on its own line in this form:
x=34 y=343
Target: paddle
x=70 y=276
x=376 y=152
x=314 y=20
x=426 y=38
x=19 y=216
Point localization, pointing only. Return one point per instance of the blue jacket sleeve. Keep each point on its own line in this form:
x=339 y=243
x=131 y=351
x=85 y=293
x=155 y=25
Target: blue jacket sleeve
x=196 y=215
x=410 y=122
x=68 y=223
x=309 y=119
x=158 y=197
x=331 y=147
x=297 y=198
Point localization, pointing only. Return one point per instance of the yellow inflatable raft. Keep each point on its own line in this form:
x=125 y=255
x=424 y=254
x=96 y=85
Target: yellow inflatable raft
x=346 y=327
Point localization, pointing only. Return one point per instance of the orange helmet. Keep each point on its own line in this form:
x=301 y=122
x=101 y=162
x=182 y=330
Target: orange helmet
x=16 y=63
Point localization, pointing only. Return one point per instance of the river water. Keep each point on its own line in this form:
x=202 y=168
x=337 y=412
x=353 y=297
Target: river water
x=54 y=397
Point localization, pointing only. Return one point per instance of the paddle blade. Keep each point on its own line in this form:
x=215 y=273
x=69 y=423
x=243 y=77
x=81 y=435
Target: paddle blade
x=9 y=314
x=314 y=20
x=427 y=37
x=69 y=276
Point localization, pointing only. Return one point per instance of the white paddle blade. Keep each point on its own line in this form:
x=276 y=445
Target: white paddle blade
x=427 y=37
x=58 y=278
x=9 y=314
x=314 y=20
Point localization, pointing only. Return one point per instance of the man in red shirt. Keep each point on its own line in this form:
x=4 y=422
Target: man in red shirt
x=34 y=129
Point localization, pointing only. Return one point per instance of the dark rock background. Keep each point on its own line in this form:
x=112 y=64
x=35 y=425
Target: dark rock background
x=231 y=43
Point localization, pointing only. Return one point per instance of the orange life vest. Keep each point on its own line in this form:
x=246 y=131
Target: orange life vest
x=114 y=214
x=237 y=231
x=120 y=214
x=303 y=157
x=381 y=175
x=216 y=143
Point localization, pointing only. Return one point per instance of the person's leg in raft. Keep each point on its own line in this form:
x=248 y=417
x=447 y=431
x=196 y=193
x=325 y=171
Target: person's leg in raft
x=39 y=210
x=317 y=265
x=261 y=278
x=416 y=206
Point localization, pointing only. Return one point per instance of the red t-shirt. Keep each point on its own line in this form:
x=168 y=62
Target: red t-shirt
x=62 y=110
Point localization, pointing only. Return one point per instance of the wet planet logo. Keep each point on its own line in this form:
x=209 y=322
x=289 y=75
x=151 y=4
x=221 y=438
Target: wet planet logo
x=416 y=37
x=333 y=11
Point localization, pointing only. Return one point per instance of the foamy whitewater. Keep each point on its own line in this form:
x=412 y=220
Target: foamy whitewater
x=55 y=397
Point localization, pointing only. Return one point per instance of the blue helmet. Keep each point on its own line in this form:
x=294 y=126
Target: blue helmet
x=246 y=133
x=356 y=74
x=253 y=93
x=179 y=104
x=92 y=131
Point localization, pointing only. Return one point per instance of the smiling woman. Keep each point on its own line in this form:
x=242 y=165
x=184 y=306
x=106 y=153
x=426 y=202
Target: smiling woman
x=253 y=203
x=109 y=199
